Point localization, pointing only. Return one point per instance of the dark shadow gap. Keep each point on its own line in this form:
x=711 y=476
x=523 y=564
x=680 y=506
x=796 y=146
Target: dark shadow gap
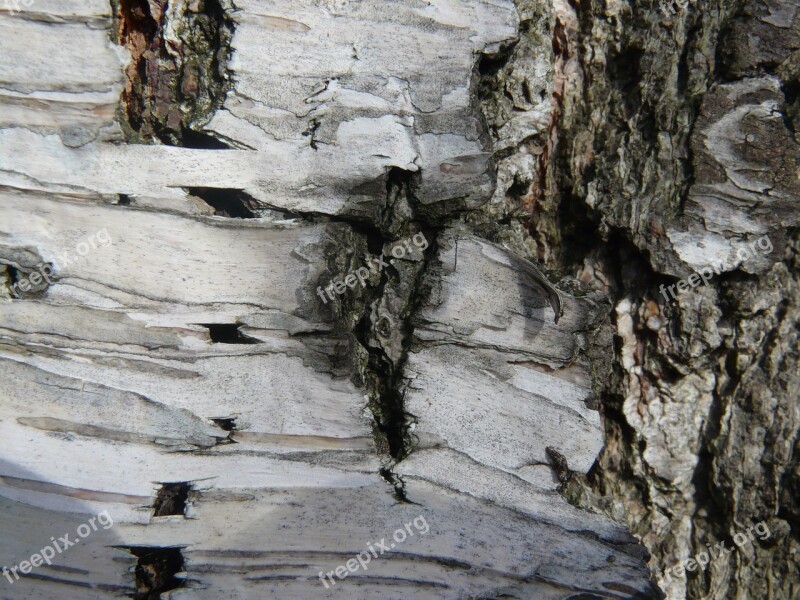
x=171 y=499
x=227 y=333
x=156 y=570
x=235 y=204
x=202 y=141
x=226 y=423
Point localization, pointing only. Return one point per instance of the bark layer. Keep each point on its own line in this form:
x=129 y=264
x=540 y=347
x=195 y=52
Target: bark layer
x=183 y=366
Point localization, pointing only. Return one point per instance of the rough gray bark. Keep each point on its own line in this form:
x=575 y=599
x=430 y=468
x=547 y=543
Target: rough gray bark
x=677 y=147
x=245 y=433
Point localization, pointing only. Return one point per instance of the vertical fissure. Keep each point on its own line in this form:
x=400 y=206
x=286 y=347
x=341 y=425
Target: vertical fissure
x=383 y=329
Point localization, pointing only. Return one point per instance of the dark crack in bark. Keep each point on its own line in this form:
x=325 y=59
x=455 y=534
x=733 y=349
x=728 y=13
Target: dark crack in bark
x=156 y=571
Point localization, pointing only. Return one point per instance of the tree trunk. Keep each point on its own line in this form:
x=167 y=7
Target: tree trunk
x=677 y=161
x=271 y=304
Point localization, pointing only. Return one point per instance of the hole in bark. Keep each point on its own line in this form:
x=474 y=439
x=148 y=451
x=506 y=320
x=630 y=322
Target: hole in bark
x=226 y=423
x=13 y=274
x=313 y=125
x=202 y=141
x=29 y=282
x=231 y=203
x=401 y=186
x=791 y=90
x=156 y=571
x=520 y=188
x=490 y=65
x=123 y=200
x=624 y=72
x=227 y=333
x=397 y=182
x=171 y=499
x=791 y=109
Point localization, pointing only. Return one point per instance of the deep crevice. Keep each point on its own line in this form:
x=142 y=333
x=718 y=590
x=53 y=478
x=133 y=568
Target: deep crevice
x=156 y=570
x=385 y=336
x=397 y=483
x=226 y=202
x=227 y=333
x=392 y=421
x=171 y=499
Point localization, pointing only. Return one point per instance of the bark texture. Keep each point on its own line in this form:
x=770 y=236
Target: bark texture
x=677 y=148
x=247 y=430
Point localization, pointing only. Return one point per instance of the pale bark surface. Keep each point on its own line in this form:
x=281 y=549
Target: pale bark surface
x=246 y=434
x=188 y=378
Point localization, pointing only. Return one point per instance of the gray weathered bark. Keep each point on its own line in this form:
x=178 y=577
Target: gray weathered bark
x=677 y=149
x=210 y=168
x=208 y=171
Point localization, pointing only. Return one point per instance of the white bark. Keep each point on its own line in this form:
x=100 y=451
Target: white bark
x=111 y=379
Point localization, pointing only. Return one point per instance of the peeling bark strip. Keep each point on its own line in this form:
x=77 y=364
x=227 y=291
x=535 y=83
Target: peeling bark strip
x=178 y=75
x=196 y=351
